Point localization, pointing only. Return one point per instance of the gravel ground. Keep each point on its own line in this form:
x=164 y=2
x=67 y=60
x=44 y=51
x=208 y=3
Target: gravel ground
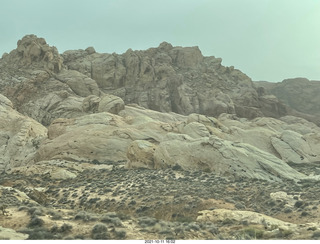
x=165 y=202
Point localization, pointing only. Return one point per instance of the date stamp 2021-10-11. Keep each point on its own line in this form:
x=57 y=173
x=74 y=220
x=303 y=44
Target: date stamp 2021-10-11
x=159 y=241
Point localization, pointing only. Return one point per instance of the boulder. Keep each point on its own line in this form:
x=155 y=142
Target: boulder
x=140 y=154
x=282 y=196
x=90 y=104
x=62 y=174
x=111 y=104
x=10 y=234
x=79 y=83
x=195 y=130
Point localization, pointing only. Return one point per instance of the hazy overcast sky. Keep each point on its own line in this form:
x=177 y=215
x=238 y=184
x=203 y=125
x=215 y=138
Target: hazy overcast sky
x=266 y=39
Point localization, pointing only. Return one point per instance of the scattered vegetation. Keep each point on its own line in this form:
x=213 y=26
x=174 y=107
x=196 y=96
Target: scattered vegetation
x=40 y=233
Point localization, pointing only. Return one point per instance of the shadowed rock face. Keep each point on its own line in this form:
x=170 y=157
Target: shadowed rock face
x=299 y=94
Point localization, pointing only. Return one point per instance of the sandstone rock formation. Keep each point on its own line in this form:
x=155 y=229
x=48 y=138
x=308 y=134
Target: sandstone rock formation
x=174 y=79
x=45 y=85
x=87 y=125
x=20 y=136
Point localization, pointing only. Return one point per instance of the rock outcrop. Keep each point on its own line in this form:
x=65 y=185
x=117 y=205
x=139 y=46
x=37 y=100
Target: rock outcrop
x=142 y=138
x=20 y=136
x=174 y=79
x=10 y=234
x=82 y=102
x=300 y=94
x=240 y=216
x=45 y=85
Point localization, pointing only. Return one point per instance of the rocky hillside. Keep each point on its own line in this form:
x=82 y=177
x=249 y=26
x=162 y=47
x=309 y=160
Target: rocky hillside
x=300 y=94
x=131 y=146
x=45 y=85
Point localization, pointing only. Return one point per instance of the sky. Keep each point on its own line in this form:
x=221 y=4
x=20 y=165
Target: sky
x=268 y=40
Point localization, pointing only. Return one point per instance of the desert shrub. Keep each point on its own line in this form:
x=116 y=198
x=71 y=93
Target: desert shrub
x=316 y=235
x=227 y=221
x=112 y=220
x=298 y=204
x=251 y=233
x=240 y=206
x=284 y=233
x=123 y=216
x=287 y=210
x=184 y=219
x=82 y=215
x=95 y=161
x=54 y=229
x=40 y=233
x=3 y=208
x=147 y=221
x=100 y=232
x=35 y=222
x=65 y=228
x=79 y=237
x=193 y=226
x=177 y=167
x=213 y=230
x=56 y=216
x=34 y=211
x=120 y=234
